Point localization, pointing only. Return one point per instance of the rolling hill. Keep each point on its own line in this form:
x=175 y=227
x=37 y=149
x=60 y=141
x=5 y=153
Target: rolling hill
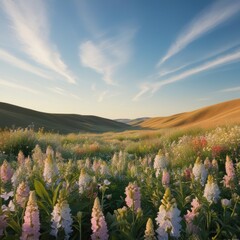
x=11 y=115
x=211 y=116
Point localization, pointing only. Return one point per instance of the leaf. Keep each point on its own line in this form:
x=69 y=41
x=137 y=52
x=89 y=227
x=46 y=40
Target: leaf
x=14 y=225
x=55 y=194
x=41 y=191
x=41 y=205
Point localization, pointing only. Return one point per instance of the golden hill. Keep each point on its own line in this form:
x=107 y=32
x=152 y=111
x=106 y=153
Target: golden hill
x=211 y=116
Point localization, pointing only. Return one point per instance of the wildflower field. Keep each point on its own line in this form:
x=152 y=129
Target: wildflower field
x=166 y=184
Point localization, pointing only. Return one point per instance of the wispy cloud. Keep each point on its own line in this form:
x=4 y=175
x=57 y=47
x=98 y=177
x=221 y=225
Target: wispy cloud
x=107 y=55
x=216 y=14
x=30 y=24
x=234 y=89
x=144 y=88
x=19 y=63
x=7 y=83
x=215 y=53
x=223 y=60
x=101 y=95
x=63 y=92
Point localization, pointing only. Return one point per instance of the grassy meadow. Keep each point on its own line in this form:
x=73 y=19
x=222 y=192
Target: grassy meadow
x=162 y=184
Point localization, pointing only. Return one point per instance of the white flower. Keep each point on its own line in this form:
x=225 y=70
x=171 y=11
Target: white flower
x=50 y=169
x=104 y=170
x=61 y=218
x=168 y=218
x=160 y=162
x=19 y=175
x=211 y=191
x=199 y=171
x=11 y=206
x=106 y=182
x=225 y=202
x=6 y=195
x=84 y=181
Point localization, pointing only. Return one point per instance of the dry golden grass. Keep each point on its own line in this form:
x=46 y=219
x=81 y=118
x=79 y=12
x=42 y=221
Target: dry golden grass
x=207 y=117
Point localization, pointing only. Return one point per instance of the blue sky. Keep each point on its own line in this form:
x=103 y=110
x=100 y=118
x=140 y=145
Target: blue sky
x=119 y=59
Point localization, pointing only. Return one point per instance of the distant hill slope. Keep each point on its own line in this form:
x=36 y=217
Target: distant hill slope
x=131 y=121
x=215 y=115
x=11 y=115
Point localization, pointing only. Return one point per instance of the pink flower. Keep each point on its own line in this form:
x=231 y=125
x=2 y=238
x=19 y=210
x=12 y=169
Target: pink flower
x=189 y=217
x=31 y=226
x=228 y=180
x=99 y=226
x=21 y=158
x=22 y=194
x=133 y=196
x=165 y=178
x=229 y=167
x=6 y=172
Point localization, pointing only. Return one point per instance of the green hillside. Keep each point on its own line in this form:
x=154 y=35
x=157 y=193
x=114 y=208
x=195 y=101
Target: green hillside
x=14 y=116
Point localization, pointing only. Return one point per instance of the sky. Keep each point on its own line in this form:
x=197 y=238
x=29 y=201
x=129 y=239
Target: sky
x=119 y=58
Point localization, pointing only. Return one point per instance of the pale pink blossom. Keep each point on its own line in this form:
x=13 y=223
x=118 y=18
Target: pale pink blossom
x=6 y=172
x=133 y=196
x=22 y=193
x=21 y=158
x=99 y=225
x=190 y=216
x=31 y=225
x=165 y=178
x=228 y=180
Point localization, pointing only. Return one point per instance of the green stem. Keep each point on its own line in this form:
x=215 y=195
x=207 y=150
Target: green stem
x=216 y=236
x=80 y=231
x=103 y=193
x=133 y=217
x=234 y=208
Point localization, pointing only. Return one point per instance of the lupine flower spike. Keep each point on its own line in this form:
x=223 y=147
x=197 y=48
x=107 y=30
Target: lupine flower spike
x=149 y=232
x=6 y=172
x=228 y=179
x=199 y=171
x=133 y=196
x=168 y=218
x=61 y=217
x=22 y=194
x=211 y=191
x=99 y=226
x=31 y=225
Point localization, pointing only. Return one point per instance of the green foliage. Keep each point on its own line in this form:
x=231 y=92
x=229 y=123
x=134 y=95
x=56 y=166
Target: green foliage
x=11 y=142
x=122 y=158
